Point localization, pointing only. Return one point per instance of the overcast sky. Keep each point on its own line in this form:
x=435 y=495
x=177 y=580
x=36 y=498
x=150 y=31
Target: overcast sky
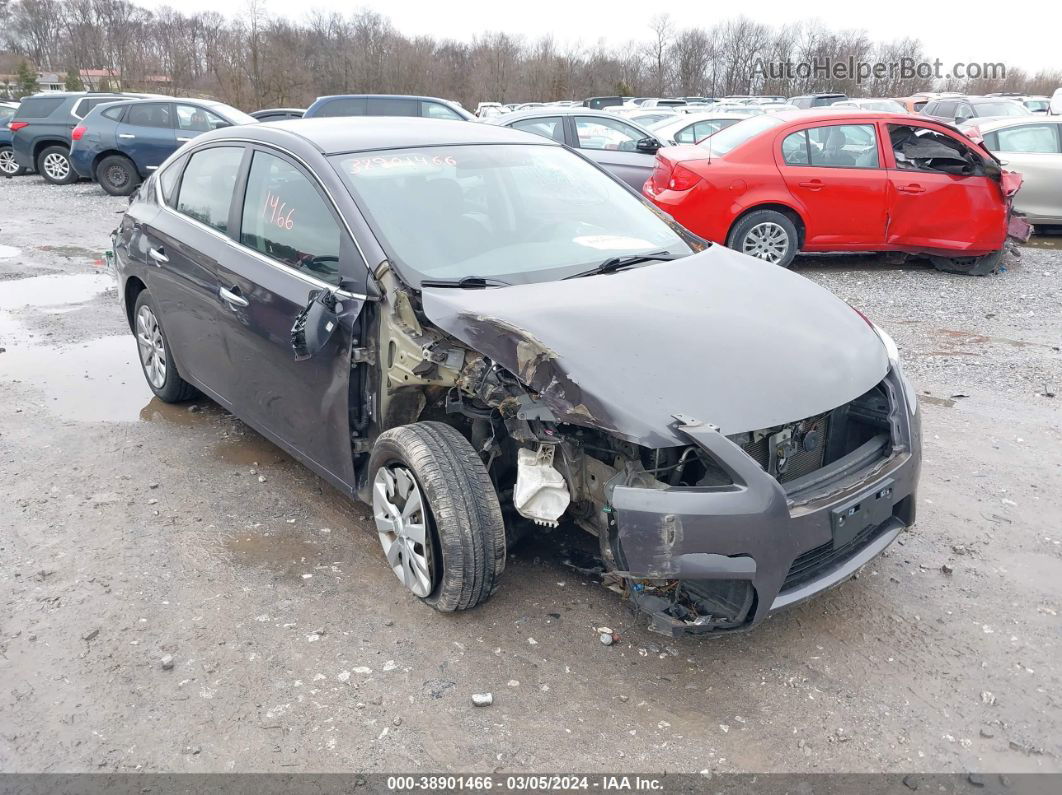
x=1025 y=36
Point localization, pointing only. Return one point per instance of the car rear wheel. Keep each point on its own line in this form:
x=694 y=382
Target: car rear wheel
x=766 y=235
x=437 y=515
x=155 y=360
x=969 y=266
x=117 y=175
x=53 y=163
x=9 y=167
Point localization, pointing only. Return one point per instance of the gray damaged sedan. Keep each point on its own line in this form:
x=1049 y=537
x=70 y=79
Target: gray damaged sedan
x=481 y=333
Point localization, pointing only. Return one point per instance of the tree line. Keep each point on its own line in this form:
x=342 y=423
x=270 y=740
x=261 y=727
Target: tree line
x=259 y=60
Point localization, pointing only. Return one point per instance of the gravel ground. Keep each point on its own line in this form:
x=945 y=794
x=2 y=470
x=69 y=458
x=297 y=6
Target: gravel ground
x=179 y=595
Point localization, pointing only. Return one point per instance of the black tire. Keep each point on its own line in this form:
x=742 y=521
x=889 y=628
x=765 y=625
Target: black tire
x=740 y=240
x=9 y=167
x=117 y=175
x=465 y=521
x=50 y=165
x=171 y=388
x=969 y=266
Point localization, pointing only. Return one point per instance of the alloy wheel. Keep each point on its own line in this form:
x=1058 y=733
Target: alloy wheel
x=402 y=522
x=57 y=166
x=8 y=164
x=767 y=241
x=152 y=347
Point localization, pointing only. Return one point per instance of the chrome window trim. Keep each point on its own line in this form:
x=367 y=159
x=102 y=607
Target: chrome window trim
x=247 y=249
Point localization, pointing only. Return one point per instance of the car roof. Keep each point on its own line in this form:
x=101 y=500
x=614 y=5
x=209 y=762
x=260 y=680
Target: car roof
x=381 y=96
x=335 y=135
x=560 y=110
x=693 y=118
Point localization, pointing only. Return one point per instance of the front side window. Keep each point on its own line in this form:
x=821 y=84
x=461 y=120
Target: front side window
x=551 y=127
x=285 y=218
x=922 y=149
x=149 y=114
x=511 y=212
x=1028 y=138
x=193 y=118
x=600 y=133
x=207 y=185
x=436 y=110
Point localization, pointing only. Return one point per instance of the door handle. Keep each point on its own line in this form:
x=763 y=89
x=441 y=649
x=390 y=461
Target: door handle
x=126 y=135
x=911 y=189
x=814 y=184
x=232 y=298
x=158 y=255
x=183 y=139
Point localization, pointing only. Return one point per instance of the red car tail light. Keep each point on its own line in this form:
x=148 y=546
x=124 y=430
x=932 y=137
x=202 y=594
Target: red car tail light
x=669 y=176
x=15 y=126
x=77 y=133
x=683 y=179
x=661 y=174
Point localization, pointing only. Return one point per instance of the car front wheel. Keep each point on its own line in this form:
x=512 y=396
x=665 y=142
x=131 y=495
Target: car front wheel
x=117 y=175
x=10 y=167
x=53 y=163
x=969 y=266
x=766 y=235
x=155 y=360
x=437 y=515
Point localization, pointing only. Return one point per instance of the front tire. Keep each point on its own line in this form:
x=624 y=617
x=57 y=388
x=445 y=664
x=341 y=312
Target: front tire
x=160 y=371
x=437 y=515
x=969 y=266
x=117 y=175
x=53 y=163
x=767 y=235
x=9 y=167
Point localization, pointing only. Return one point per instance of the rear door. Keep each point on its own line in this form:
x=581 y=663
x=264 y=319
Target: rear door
x=1035 y=151
x=291 y=245
x=940 y=199
x=146 y=134
x=835 y=175
x=613 y=144
x=187 y=240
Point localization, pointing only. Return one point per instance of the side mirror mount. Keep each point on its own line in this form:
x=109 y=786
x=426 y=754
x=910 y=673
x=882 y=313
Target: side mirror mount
x=315 y=324
x=649 y=146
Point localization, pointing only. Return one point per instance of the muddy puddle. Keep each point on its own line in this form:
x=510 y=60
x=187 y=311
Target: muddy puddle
x=289 y=555
x=56 y=290
x=1052 y=241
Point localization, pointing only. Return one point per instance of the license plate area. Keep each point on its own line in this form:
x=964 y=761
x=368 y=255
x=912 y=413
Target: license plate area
x=869 y=509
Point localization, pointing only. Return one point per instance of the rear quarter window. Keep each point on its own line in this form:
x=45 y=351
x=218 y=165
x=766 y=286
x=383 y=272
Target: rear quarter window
x=38 y=108
x=114 y=114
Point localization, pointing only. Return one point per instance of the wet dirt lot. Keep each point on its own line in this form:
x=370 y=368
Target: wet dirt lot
x=131 y=530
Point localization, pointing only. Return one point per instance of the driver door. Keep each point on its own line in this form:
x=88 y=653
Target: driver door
x=291 y=244
x=613 y=145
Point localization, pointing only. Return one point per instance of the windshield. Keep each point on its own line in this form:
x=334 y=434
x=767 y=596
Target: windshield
x=1037 y=104
x=511 y=212
x=1002 y=108
x=890 y=105
x=734 y=136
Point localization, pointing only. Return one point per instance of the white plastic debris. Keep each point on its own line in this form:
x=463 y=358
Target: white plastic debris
x=482 y=699
x=541 y=494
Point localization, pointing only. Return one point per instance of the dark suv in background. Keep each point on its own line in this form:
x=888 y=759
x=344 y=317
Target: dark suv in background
x=386 y=105
x=42 y=126
x=817 y=100
x=956 y=110
x=8 y=166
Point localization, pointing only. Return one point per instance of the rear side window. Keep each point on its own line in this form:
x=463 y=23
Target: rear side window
x=436 y=110
x=551 y=127
x=396 y=106
x=207 y=185
x=149 y=114
x=343 y=107
x=114 y=114
x=81 y=110
x=38 y=107
x=285 y=218
x=5 y=114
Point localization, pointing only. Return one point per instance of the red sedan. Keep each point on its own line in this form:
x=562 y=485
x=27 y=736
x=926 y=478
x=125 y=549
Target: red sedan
x=776 y=184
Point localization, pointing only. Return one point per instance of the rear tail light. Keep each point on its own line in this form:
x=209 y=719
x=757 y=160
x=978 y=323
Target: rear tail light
x=15 y=126
x=77 y=133
x=683 y=179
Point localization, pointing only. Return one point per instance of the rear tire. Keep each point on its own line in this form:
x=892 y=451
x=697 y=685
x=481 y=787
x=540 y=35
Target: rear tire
x=969 y=266
x=160 y=371
x=767 y=235
x=117 y=175
x=450 y=548
x=9 y=167
x=53 y=163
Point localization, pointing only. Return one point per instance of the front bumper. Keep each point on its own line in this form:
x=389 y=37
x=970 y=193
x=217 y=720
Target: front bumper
x=788 y=543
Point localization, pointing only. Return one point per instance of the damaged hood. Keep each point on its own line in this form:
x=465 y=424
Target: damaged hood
x=718 y=336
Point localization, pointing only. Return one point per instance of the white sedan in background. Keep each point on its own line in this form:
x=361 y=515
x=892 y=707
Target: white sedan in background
x=691 y=128
x=1032 y=146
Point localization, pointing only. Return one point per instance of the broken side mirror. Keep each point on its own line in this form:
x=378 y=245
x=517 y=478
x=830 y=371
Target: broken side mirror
x=315 y=324
x=649 y=146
